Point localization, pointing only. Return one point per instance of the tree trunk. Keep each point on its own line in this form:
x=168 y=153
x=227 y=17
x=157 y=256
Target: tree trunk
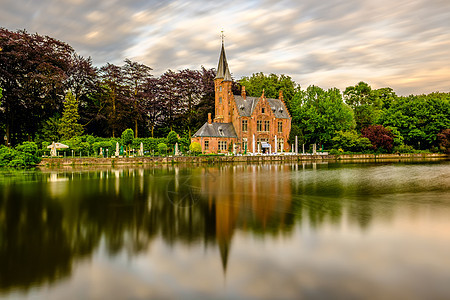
x=8 y=125
x=8 y=134
x=135 y=128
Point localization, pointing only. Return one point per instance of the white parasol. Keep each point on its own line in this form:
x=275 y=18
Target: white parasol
x=141 y=150
x=117 y=150
x=55 y=146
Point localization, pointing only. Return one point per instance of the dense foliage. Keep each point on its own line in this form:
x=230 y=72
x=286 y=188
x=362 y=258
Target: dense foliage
x=49 y=93
x=350 y=141
x=69 y=126
x=380 y=137
x=23 y=156
x=319 y=114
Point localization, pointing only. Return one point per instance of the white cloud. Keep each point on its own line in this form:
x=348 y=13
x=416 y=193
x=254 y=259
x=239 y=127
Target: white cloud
x=401 y=44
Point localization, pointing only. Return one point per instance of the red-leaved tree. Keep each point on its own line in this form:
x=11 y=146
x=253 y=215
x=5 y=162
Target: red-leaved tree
x=444 y=140
x=379 y=136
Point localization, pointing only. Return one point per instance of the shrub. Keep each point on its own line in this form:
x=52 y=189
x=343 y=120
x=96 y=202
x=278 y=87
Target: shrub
x=334 y=152
x=380 y=137
x=162 y=148
x=403 y=149
x=127 y=138
x=172 y=138
x=110 y=145
x=24 y=155
x=350 y=141
x=184 y=144
x=17 y=163
x=195 y=148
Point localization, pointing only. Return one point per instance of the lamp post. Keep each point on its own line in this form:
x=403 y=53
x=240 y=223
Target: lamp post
x=107 y=152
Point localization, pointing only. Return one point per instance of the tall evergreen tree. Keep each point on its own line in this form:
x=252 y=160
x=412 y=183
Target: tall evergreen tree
x=69 y=126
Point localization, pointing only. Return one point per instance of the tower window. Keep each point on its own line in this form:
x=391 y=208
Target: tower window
x=220 y=88
x=280 y=126
x=262 y=110
x=220 y=99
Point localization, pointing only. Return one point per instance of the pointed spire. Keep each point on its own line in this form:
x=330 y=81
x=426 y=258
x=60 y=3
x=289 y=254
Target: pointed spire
x=222 y=69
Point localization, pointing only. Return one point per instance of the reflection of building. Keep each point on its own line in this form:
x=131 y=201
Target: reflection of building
x=240 y=197
x=241 y=123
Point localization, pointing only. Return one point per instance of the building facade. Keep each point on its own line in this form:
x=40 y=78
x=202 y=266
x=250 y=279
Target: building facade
x=243 y=124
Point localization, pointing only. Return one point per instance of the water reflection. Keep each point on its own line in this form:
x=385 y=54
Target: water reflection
x=53 y=220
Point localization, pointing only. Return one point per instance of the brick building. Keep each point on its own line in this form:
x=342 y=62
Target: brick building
x=243 y=124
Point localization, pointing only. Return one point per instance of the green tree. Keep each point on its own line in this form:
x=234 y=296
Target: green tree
x=162 y=148
x=172 y=138
x=271 y=84
x=49 y=130
x=319 y=114
x=419 y=118
x=69 y=126
x=296 y=131
x=365 y=104
x=351 y=141
x=127 y=139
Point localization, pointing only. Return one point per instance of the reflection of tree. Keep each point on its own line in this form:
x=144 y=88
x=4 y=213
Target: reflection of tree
x=34 y=247
x=45 y=227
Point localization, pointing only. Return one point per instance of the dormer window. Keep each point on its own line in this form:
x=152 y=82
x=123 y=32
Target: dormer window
x=262 y=110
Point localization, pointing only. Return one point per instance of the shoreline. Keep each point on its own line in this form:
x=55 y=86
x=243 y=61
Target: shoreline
x=87 y=161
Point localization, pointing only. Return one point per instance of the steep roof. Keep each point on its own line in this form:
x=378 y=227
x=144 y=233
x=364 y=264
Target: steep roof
x=246 y=107
x=216 y=130
x=222 y=69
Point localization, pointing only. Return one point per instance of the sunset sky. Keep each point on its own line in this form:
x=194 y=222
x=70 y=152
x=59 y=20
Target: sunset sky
x=401 y=44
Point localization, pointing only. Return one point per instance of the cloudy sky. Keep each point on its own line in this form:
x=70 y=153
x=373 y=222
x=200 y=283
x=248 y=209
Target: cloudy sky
x=403 y=44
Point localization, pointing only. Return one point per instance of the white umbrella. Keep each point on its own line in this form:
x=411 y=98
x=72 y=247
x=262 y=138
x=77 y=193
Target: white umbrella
x=117 y=150
x=176 y=149
x=141 y=150
x=54 y=146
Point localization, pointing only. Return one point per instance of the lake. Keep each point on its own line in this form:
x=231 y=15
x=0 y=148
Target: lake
x=280 y=231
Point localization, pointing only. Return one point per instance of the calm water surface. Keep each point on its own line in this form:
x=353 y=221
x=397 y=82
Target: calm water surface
x=332 y=230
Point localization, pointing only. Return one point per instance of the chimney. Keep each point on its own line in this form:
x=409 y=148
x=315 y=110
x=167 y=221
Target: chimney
x=280 y=96
x=243 y=93
x=209 y=118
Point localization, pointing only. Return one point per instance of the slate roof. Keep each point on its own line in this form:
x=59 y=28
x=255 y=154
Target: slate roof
x=246 y=107
x=216 y=130
x=222 y=69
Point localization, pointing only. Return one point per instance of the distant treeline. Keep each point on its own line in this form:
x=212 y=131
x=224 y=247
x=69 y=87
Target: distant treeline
x=36 y=72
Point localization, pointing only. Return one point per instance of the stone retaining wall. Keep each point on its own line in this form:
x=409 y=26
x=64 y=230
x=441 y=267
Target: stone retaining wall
x=228 y=159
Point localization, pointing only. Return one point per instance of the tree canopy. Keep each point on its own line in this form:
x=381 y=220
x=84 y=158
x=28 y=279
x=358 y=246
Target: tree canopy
x=69 y=126
x=49 y=92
